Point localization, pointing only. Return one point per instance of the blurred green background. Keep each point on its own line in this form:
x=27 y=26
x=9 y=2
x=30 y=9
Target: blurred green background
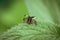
x=11 y=13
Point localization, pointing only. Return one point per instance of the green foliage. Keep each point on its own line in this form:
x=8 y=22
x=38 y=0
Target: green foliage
x=47 y=28
x=23 y=31
x=13 y=15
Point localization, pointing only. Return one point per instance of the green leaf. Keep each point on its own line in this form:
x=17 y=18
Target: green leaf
x=42 y=31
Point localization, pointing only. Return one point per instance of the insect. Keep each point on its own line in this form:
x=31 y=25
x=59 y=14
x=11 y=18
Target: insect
x=29 y=19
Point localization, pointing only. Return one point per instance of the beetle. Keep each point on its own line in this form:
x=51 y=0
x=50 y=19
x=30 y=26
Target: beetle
x=29 y=19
